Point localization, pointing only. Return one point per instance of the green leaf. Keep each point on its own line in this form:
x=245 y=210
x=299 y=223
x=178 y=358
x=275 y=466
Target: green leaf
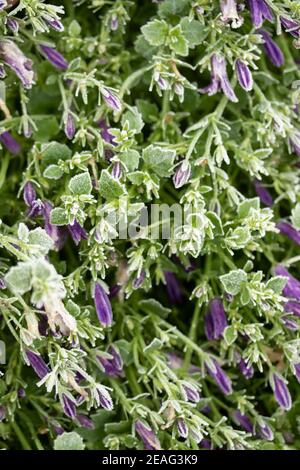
x=53 y=172
x=18 y=278
x=155 y=32
x=172 y=7
x=40 y=238
x=233 y=281
x=134 y=118
x=137 y=177
x=130 y=158
x=277 y=284
x=58 y=216
x=47 y=128
x=81 y=184
x=296 y=216
x=159 y=160
x=230 y=335
x=155 y=345
x=55 y=151
x=216 y=221
x=245 y=206
x=193 y=31
x=180 y=46
x=152 y=306
x=109 y=187
x=149 y=110
x=69 y=441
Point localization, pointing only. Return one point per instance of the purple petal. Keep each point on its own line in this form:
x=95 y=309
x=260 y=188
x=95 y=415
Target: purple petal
x=10 y=143
x=54 y=57
x=273 y=51
x=288 y=230
x=37 y=363
x=103 y=307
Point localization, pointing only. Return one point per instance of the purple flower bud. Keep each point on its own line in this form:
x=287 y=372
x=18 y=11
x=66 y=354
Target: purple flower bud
x=264 y=431
x=2 y=413
x=69 y=406
x=54 y=57
x=116 y=172
x=114 y=290
x=54 y=23
x=77 y=232
x=205 y=444
x=21 y=393
x=290 y=323
x=113 y=366
x=10 y=143
x=190 y=392
x=111 y=100
x=105 y=399
x=29 y=194
x=219 y=79
x=58 y=429
x=37 y=363
x=243 y=421
x=16 y=60
x=244 y=75
x=105 y=134
x=221 y=379
x=114 y=24
x=182 y=428
x=58 y=234
x=12 y=24
x=263 y=193
x=148 y=437
x=296 y=368
x=215 y=320
x=292 y=287
x=259 y=12
x=103 y=307
x=245 y=369
x=290 y=231
x=173 y=288
x=85 y=422
x=138 y=281
x=290 y=26
x=273 y=51
x=281 y=391
x=230 y=13
x=70 y=128
x=36 y=209
x=182 y=174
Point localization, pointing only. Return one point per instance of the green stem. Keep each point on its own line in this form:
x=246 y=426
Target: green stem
x=25 y=444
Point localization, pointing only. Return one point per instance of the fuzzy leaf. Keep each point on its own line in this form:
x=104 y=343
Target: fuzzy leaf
x=155 y=32
x=18 y=278
x=233 y=281
x=69 y=441
x=81 y=184
x=53 y=172
x=58 y=216
x=109 y=187
x=159 y=160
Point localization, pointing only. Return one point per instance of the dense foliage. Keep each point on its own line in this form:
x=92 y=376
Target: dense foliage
x=108 y=109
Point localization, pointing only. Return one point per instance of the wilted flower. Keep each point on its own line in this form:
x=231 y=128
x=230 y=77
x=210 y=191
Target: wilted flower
x=273 y=51
x=148 y=437
x=230 y=13
x=217 y=373
x=182 y=174
x=111 y=99
x=10 y=143
x=215 y=320
x=77 y=232
x=54 y=57
x=281 y=391
x=244 y=75
x=18 y=62
x=263 y=193
x=69 y=406
x=37 y=363
x=103 y=307
x=219 y=79
x=260 y=11
x=173 y=288
x=290 y=231
x=113 y=365
x=243 y=421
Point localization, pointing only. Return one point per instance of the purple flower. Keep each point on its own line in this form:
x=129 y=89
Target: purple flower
x=58 y=429
x=113 y=366
x=263 y=193
x=54 y=57
x=69 y=406
x=173 y=288
x=292 y=287
x=111 y=100
x=219 y=376
x=215 y=320
x=58 y=234
x=182 y=174
x=190 y=392
x=244 y=75
x=29 y=194
x=12 y=24
x=104 y=398
x=116 y=172
x=114 y=290
x=103 y=307
x=114 y=23
x=246 y=369
x=273 y=51
x=10 y=143
x=230 y=13
x=259 y=12
x=243 y=421
x=281 y=391
x=219 y=79
x=264 y=431
x=77 y=232
x=85 y=422
x=21 y=393
x=148 y=437
x=138 y=281
x=290 y=231
x=182 y=428
x=290 y=323
x=18 y=62
x=290 y=26
x=105 y=134
x=70 y=128
x=37 y=363
x=292 y=306
x=205 y=444
x=297 y=371
x=54 y=23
